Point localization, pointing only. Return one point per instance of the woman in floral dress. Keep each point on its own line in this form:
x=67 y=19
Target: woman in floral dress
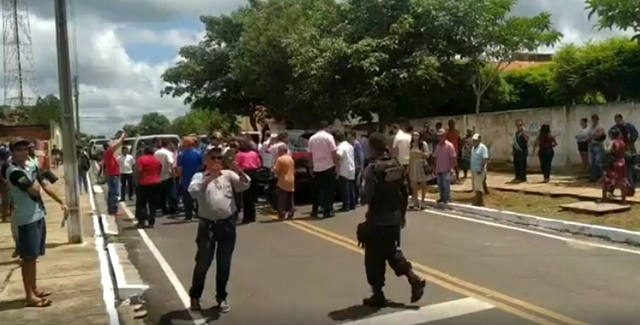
x=615 y=174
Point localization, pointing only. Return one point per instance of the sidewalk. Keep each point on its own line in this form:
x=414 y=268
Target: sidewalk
x=70 y=272
x=559 y=186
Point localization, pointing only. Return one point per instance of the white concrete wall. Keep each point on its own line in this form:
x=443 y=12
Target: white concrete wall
x=497 y=128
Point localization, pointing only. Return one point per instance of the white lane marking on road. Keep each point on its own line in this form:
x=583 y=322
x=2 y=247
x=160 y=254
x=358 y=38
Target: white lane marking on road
x=426 y=314
x=533 y=232
x=166 y=268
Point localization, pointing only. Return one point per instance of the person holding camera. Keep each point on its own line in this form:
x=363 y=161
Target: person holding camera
x=214 y=191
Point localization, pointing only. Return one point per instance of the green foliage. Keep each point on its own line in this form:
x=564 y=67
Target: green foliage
x=531 y=87
x=153 y=123
x=621 y=14
x=605 y=71
x=312 y=60
x=132 y=130
x=198 y=121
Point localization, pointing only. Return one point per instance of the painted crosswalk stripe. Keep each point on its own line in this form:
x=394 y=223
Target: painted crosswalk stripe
x=426 y=314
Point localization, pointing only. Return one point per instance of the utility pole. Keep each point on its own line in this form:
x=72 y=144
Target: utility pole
x=74 y=222
x=76 y=96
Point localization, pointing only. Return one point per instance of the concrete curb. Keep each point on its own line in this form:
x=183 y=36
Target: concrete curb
x=607 y=233
x=108 y=288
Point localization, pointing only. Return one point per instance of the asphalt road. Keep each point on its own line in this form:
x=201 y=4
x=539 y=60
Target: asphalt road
x=310 y=271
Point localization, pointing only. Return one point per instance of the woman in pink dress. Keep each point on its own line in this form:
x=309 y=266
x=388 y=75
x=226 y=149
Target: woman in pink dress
x=615 y=175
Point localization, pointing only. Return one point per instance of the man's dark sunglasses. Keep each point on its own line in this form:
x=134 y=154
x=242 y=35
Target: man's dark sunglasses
x=216 y=157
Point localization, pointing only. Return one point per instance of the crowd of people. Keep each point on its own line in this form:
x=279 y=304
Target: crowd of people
x=615 y=166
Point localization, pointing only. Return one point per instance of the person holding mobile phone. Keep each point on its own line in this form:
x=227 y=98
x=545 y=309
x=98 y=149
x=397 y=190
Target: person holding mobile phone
x=214 y=190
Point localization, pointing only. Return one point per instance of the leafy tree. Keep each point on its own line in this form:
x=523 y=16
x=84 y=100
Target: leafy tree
x=131 y=130
x=597 y=72
x=198 y=121
x=622 y=14
x=491 y=37
x=46 y=109
x=531 y=87
x=204 y=76
x=153 y=123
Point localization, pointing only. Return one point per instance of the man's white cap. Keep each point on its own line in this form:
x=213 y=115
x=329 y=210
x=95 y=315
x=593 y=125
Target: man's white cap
x=476 y=137
x=273 y=136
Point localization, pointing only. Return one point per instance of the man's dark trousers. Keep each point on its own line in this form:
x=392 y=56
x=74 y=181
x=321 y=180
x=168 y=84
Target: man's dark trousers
x=325 y=184
x=214 y=239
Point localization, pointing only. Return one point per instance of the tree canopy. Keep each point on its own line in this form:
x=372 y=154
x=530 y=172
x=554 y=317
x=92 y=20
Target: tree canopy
x=309 y=60
x=312 y=60
x=196 y=121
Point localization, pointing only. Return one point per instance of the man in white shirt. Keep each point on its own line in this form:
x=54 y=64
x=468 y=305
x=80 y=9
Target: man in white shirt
x=265 y=155
x=166 y=157
x=324 y=161
x=347 y=172
x=401 y=148
x=126 y=162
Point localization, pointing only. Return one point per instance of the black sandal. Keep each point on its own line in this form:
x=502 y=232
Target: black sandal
x=42 y=303
x=43 y=294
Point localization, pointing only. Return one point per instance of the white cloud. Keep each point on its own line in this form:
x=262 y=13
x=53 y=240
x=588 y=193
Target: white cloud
x=116 y=89
x=175 y=38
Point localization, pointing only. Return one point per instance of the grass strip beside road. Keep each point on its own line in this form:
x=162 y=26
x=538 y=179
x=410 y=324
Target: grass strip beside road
x=549 y=207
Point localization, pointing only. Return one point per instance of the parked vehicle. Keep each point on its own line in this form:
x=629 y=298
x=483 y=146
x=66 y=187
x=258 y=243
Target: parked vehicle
x=96 y=148
x=298 y=145
x=148 y=140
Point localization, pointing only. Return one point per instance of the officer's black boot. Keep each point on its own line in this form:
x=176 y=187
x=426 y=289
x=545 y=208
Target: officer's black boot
x=377 y=299
x=417 y=286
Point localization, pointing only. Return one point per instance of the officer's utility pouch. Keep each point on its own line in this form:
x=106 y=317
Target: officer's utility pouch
x=363 y=233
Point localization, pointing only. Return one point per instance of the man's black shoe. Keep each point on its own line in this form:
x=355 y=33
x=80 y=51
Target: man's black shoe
x=417 y=290
x=195 y=304
x=376 y=301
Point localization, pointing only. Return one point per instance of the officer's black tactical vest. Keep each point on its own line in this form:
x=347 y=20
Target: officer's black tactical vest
x=390 y=192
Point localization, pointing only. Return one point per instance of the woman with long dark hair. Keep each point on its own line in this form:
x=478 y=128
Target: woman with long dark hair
x=419 y=172
x=544 y=144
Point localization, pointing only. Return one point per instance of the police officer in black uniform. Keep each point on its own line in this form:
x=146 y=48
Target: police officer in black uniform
x=386 y=194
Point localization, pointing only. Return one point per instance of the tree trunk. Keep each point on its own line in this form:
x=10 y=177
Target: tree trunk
x=253 y=118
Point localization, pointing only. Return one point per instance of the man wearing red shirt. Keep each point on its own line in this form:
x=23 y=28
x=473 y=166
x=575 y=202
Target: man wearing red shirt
x=149 y=189
x=112 y=173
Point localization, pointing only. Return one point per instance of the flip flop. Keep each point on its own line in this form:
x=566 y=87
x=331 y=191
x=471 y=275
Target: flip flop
x=43 y=294
x=43 y=303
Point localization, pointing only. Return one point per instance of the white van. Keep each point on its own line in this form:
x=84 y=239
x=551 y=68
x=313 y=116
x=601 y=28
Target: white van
x=96 y=148
x=148 y=140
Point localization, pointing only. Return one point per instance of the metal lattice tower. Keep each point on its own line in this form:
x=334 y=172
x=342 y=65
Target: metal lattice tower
x=20 y=85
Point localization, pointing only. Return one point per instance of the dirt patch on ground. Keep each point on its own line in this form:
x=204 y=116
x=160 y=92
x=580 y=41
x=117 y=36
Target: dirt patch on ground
x=548 y=207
